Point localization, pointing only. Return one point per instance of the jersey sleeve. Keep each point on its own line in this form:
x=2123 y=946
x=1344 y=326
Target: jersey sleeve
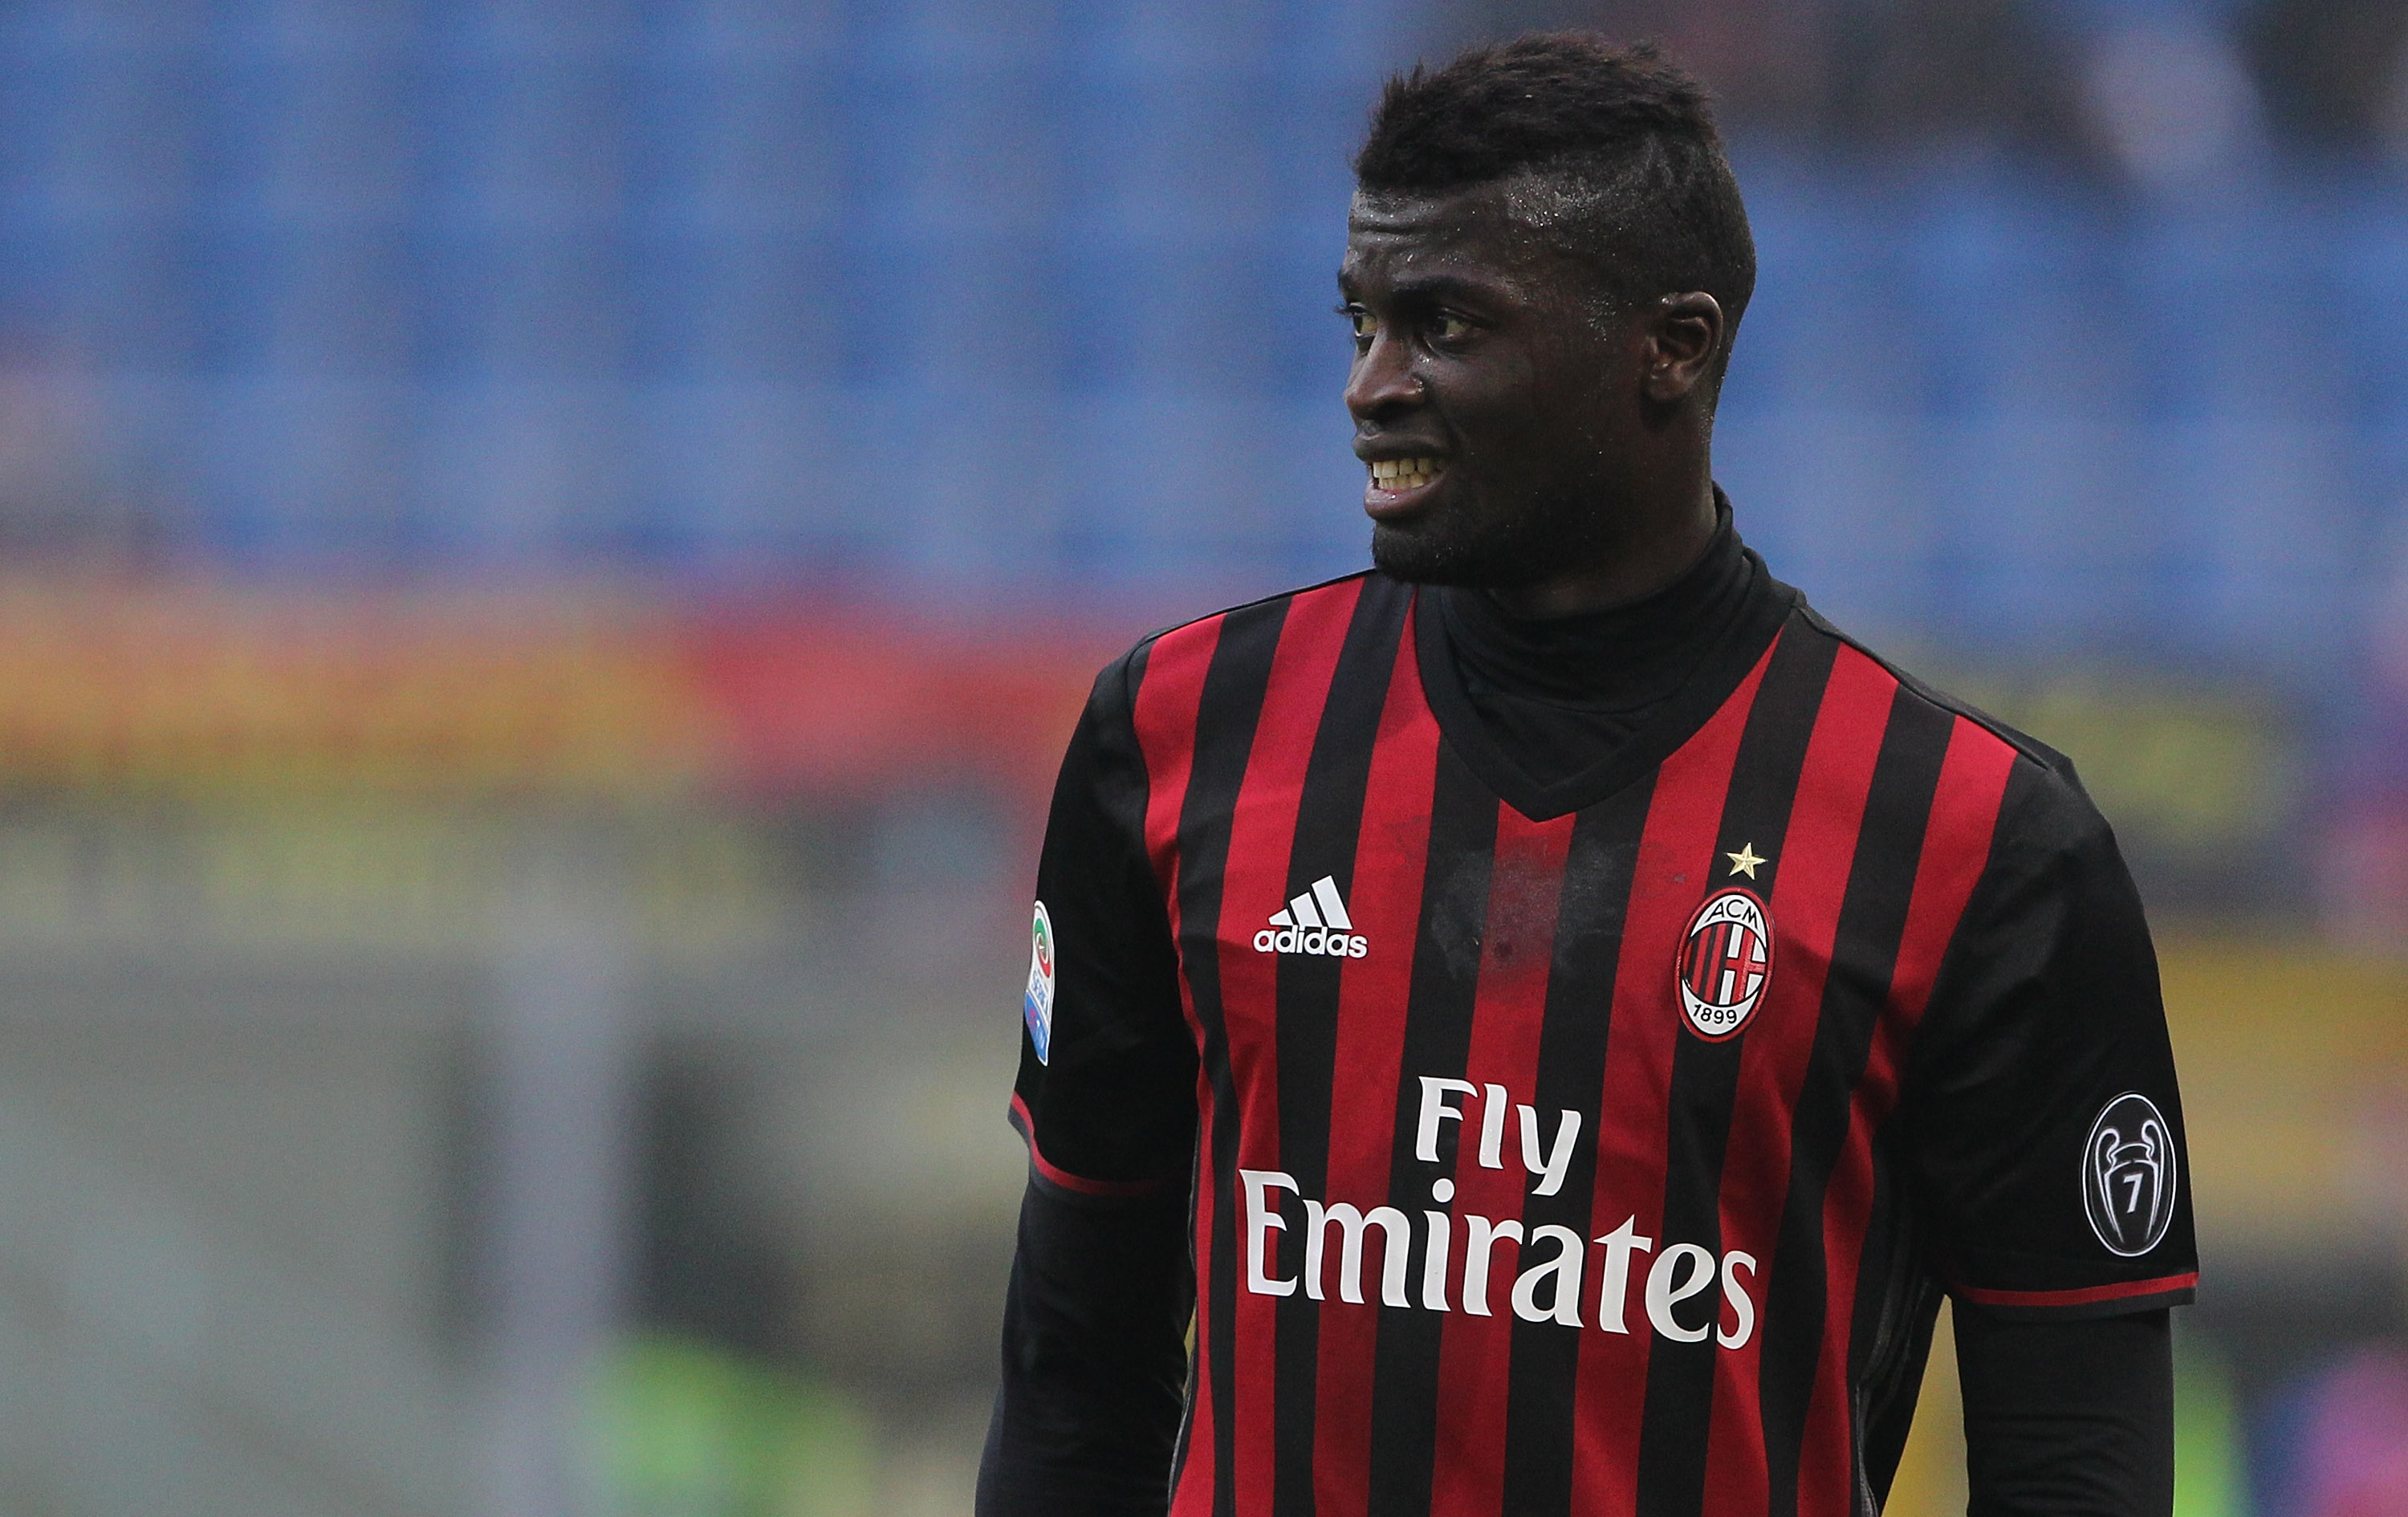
x=1106 y=1095
x=2043 y=1128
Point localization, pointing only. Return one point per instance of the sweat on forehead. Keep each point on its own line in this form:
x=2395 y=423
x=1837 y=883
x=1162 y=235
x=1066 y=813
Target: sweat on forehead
x=1530 y=223
x=1407 y=212
x=1495 y=209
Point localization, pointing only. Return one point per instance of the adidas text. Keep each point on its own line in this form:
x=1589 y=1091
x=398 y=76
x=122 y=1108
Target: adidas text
x=1314 y=922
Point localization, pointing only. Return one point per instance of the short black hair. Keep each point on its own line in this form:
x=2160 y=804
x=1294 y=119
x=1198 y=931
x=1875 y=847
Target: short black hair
x=1626 y=138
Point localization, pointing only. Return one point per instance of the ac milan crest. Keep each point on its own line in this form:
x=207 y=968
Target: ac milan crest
x=1726 y=962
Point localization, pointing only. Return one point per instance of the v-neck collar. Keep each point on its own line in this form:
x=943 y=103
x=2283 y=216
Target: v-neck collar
x=1737 y=647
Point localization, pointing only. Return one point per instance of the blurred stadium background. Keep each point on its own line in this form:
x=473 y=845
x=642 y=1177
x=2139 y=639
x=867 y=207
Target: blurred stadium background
x=548 y=548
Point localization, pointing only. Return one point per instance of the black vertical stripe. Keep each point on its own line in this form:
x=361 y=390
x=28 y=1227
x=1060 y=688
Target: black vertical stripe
x=1139 y=663
x=1864 y=958
x=1705 y=1075
x=1329 y=823
x=1897 y=1299
x=1598 y=869
x=1232 y=700
x=1438 y=1042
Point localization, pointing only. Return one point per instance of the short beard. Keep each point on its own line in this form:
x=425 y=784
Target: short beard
x=1478 y=555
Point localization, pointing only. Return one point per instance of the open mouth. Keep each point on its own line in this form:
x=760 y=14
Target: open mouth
x=1400 y=474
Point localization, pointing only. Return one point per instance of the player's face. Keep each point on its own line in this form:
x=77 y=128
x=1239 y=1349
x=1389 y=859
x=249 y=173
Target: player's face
x=1492 y=392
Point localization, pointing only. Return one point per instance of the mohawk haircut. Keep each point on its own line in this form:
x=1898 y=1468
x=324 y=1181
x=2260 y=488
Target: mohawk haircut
x=1609 y=151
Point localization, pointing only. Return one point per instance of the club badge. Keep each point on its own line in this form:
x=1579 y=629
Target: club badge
x=1037 y=1007
x=2128 y=1176
x=1725 y=964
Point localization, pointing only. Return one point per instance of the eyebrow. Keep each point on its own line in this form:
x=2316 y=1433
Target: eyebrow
x=1427 y=287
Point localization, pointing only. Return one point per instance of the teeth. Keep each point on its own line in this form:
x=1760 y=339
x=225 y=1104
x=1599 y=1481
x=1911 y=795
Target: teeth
x=1405 y=472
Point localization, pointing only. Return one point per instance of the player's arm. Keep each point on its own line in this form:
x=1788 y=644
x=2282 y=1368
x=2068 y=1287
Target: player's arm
x=2045 y=1131
x=1094 y=1358
x=2068 y=1419
x=1094 y=1365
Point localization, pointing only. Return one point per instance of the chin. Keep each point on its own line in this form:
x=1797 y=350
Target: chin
x=1419 y=556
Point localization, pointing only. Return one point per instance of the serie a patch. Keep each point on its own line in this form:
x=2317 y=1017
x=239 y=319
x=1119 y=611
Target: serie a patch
x=1037 y=1007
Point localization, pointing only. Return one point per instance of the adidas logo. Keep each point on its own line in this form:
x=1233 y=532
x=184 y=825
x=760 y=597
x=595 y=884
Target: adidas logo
x=1314 y=922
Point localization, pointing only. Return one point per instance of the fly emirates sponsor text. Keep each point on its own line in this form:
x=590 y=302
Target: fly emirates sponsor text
x=1550 y=1267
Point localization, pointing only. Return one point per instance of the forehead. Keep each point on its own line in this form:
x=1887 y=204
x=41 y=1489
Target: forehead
x=1465 y=234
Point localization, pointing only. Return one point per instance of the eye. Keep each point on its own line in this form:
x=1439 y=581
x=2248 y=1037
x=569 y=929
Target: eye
x=1448 y=327
x=1366 y=325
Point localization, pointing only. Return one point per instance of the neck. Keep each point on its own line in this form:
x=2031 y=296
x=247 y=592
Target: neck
x=1666 y=542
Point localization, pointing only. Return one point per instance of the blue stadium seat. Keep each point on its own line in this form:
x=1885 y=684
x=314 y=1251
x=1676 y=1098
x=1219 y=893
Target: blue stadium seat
x=709 y=284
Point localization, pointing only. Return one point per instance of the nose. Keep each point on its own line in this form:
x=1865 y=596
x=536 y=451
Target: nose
x=1381 y=382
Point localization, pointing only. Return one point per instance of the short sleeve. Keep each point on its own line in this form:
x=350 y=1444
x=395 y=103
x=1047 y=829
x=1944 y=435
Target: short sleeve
x=1106 y=1095
x=2042 y=1125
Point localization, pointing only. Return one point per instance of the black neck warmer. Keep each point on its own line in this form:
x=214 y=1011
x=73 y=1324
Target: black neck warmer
x=1558 y=695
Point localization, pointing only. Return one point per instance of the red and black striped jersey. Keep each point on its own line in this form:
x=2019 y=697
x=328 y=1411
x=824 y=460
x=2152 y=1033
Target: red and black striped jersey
x=1602 y=1148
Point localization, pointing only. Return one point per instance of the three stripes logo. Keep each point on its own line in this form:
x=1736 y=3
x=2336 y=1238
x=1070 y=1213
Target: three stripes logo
x=1313 y=922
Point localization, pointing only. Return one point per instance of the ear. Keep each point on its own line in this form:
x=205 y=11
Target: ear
x=1683 y=333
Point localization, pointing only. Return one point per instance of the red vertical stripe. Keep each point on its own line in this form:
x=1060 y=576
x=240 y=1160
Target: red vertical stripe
x=1670 y=881
x=1809 y=882
x=1254 y=884
x=1391 y=850
x=1167 y=697
x=1956 y=850
x=1509 y=1009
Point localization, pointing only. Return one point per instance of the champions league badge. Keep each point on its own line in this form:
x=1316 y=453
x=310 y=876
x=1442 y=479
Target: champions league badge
x=1037 y=1007
x=2128 y=1176
x=1726 y=962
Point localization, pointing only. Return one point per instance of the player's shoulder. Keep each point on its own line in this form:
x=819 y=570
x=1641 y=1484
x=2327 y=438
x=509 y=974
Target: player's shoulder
x=1205 y=629
x=2044 y=796
x=1194 y=638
